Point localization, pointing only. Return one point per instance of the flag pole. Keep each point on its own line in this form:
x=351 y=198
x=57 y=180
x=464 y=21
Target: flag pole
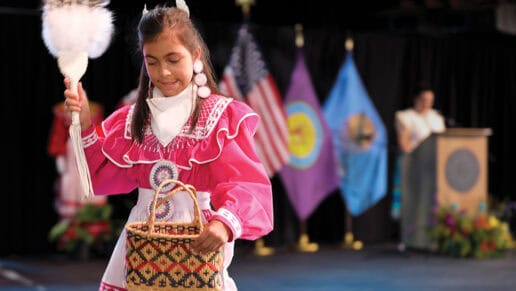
x=303 y=243
x=349 y=241
x=259 y=246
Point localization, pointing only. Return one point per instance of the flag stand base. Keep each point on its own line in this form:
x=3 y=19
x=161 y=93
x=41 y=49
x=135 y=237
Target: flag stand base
x=304 y=244
x=261 y=250
x=350 y=243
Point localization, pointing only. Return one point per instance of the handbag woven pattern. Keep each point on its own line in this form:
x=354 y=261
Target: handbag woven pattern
x=159 y=254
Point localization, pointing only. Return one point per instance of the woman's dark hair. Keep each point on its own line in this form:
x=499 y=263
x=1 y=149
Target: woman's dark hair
x=420 y=87
x=150 y=26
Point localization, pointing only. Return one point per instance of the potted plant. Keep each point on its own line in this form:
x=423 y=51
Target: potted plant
x=90 y=229
x=458 y=234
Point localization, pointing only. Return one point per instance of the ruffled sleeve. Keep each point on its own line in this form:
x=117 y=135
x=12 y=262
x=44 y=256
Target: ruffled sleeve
x=105 y=144
x=241 y=189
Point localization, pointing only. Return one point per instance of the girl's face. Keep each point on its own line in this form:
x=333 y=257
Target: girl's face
x=169 y=64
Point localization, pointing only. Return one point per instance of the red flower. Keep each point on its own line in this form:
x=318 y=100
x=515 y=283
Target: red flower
x=484 y=245
x=480 y=222
x=70 y=233
x=96 y=228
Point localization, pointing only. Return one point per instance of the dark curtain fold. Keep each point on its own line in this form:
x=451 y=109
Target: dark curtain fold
x=474 y=76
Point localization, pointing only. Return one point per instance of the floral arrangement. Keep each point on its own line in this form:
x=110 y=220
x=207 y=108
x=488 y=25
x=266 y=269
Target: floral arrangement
x=91 y=228
x=461 y=235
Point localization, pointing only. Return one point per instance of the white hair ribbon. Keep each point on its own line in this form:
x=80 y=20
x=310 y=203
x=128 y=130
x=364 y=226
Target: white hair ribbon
x=181 y=4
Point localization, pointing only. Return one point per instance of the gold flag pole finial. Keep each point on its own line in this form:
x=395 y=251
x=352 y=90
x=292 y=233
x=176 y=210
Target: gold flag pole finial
x=300 y=40
x=261 y=250
x=246 y=6
x=303 y=243
x=349 y=241
x=349 y=44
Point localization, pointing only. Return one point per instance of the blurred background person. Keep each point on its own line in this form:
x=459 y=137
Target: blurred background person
x=413 y=125
x=68 y=193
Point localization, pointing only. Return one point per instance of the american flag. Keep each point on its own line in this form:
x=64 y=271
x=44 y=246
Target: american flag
x=246 y=78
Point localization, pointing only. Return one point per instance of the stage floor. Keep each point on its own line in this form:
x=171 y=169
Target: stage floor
x=379 y=267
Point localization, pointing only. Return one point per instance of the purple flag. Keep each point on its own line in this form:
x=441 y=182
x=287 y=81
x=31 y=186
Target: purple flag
x=311 y=173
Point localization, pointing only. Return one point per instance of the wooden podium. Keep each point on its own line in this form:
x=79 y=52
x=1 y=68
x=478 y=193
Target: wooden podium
x=448 y=168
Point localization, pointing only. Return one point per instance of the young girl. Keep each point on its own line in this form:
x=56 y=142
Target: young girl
x=179 y=129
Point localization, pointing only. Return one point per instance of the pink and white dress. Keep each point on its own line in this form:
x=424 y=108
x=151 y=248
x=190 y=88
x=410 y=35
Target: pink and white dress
x=217 y=157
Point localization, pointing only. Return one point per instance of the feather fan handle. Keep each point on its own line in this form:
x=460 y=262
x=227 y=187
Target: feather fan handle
x=74 y=30
x=181 y=4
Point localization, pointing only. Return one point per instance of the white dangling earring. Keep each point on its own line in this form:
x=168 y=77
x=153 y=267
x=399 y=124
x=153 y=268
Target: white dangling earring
x=200 y=80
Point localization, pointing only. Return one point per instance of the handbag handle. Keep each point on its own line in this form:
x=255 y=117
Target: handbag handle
x=181 y=186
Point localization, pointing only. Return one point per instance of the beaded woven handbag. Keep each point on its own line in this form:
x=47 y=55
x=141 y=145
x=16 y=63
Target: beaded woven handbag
x=159 y=254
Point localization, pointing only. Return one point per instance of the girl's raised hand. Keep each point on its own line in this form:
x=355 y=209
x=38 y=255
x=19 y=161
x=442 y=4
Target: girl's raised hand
x=77 y=102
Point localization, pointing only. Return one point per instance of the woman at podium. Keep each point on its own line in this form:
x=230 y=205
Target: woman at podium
x=413 y=125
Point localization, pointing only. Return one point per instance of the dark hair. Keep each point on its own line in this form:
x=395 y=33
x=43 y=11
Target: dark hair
x=150 y=26
x=420 y=87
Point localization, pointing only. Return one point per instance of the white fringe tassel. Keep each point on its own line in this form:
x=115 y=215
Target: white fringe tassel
x=78 y=148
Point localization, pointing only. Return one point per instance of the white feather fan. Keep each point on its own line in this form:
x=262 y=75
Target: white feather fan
x=74 y=30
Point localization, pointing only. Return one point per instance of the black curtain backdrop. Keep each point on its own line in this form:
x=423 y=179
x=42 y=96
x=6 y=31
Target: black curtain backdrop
x=473 y=73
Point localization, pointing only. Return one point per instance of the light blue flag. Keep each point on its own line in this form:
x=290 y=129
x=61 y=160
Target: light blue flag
x=359 y=139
